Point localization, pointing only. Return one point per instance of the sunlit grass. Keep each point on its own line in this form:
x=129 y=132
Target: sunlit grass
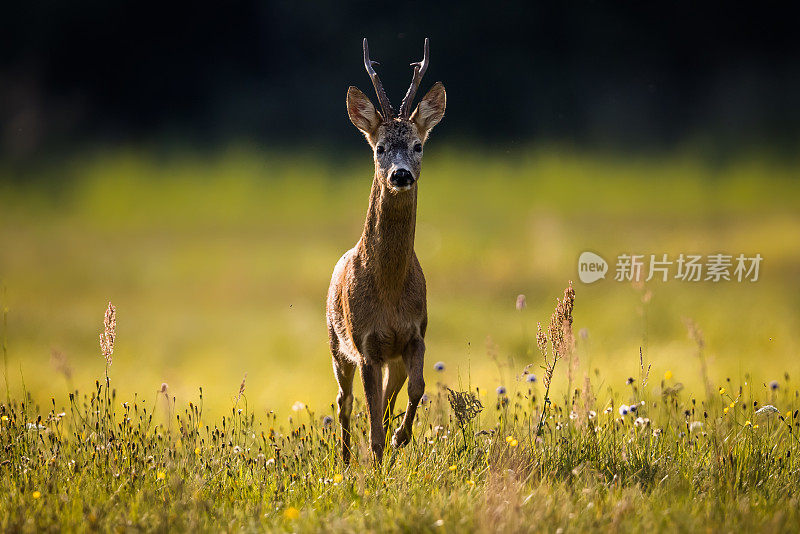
x=641 y=453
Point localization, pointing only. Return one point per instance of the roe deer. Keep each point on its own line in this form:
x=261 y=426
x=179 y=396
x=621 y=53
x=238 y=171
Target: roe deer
x=376 y=308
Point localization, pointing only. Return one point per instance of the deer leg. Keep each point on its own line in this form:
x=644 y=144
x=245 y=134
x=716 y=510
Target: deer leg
x=344 y=371
x=413 y=358
x=371 y=377
x=394 y=376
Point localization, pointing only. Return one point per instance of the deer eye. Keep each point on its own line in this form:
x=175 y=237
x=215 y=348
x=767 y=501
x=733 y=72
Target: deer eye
x=380 y=149
x=418 y=147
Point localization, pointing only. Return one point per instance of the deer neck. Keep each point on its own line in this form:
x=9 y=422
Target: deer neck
x=387 y=243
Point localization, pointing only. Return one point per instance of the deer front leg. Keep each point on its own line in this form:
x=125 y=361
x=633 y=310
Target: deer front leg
x=413 y=357
x=344 y=371
x=371 y=377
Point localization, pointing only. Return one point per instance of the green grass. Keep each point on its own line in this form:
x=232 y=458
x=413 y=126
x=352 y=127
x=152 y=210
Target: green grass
x=219 y=263
x=726 y=461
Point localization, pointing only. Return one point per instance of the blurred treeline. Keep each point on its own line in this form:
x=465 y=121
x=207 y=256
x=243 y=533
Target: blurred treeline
x=600 y=74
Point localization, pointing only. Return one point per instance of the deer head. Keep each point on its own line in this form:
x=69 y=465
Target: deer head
x=397 y=140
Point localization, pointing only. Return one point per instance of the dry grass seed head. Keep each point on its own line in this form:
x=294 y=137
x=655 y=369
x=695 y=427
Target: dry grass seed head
x=109 y=333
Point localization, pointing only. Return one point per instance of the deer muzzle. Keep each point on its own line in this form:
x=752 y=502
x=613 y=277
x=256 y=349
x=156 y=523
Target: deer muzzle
x=401 y=179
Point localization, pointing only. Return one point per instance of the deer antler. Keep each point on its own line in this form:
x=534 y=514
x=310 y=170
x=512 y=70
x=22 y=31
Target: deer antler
x=386 y=107
x=419 y=71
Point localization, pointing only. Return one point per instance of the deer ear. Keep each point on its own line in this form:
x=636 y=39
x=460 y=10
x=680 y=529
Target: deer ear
x=430 y=110
x=362 y=113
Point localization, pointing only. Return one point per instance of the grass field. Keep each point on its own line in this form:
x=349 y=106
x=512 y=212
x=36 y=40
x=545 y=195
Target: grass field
x=218 y=264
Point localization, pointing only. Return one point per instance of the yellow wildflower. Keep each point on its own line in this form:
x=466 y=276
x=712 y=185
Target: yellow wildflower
x=726 y=410
x=197 y=451
x=513 y=443
x=161 y=475
x=471 y=483
x=291 y=513
x=337 y=478
x=668 y=375
x=747 y=423
x=721 y=391
x=5 y=418
x=36 y=494
x=509 y=438
x=453 y=467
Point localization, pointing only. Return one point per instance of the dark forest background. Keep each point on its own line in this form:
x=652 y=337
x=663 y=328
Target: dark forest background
x=620 y=75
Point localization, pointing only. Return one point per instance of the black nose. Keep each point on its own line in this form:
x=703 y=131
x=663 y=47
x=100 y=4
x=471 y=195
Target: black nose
x=401 y=178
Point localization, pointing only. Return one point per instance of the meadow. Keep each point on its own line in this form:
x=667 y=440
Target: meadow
x=218 y=264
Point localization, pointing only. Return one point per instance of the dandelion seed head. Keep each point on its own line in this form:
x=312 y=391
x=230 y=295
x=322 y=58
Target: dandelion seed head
x=624 y=409
x=530 y=378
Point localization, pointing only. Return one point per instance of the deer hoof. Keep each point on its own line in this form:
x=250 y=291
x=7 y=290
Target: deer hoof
x=400 y=439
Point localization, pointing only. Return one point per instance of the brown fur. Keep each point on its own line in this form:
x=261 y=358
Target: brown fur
x=376 y=308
